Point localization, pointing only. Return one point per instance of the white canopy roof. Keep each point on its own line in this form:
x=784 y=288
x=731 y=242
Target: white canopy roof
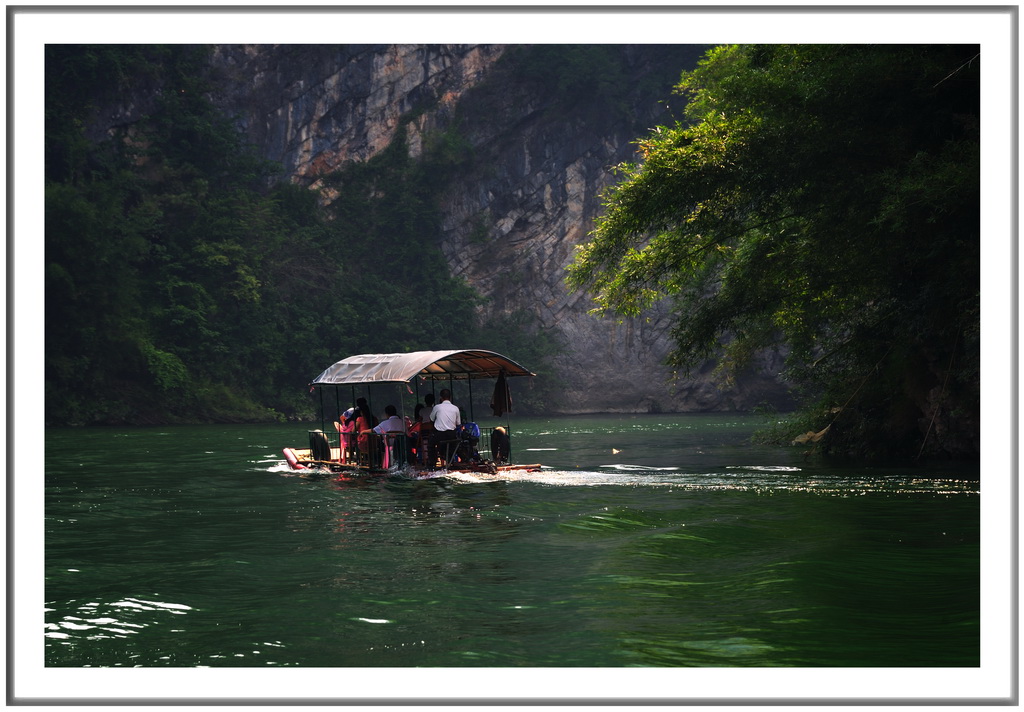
x=430 y=365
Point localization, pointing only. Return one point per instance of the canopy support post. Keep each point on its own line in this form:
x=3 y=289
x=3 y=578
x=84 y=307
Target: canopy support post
x=322 y=414
x=401 y=399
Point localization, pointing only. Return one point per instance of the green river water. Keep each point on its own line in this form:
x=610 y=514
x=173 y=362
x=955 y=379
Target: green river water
x=651 y=541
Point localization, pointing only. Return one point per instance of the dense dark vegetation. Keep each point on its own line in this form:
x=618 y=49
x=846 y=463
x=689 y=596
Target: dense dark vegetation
x=821 y=198
x=826 y=198
x=181 y=288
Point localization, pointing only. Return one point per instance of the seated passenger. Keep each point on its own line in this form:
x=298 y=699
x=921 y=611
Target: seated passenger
x=365 y=422
x=393 y=424
x=389 y=426
x=346 y=427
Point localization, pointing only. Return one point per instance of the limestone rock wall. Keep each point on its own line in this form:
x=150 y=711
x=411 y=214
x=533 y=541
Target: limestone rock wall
x=512 y=220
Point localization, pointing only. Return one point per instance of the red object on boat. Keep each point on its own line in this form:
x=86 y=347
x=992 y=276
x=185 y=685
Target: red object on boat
x=293 y=461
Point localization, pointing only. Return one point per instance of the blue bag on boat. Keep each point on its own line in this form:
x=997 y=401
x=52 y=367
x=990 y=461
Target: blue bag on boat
x=471 y=429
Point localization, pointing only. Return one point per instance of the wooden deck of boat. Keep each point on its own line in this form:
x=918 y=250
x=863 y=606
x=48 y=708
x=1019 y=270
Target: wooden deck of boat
x=304 y=457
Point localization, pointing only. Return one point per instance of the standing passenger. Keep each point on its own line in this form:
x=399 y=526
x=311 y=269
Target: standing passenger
x=446 y=419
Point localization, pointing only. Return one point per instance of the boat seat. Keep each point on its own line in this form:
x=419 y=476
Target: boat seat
x=395 y=450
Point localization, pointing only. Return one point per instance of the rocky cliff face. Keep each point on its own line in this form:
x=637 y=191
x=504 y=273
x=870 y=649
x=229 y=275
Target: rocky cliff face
x=540 y=159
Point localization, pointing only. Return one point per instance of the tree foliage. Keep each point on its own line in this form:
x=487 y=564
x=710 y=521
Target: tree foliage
x=181 y=288
x=825 y=198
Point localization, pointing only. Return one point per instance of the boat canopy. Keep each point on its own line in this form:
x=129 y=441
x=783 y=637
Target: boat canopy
x=427 y=365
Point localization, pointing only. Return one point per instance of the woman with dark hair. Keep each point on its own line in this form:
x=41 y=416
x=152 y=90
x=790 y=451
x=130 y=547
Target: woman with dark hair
x=426 y=428
x=365 y=422
x=346 y=427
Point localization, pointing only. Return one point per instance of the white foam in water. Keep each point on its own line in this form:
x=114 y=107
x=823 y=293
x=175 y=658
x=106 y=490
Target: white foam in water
x=753 y=478
x=546 y=476
x=762 y=481
x=639 y=468
x=764 y=468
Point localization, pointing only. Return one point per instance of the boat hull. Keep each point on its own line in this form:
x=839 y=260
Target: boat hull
x=302 y=459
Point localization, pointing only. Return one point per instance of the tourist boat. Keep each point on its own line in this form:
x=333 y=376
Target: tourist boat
x=404 y=380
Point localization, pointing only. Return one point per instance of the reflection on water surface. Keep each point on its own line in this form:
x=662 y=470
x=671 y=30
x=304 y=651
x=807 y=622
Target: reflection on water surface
x=644 y=541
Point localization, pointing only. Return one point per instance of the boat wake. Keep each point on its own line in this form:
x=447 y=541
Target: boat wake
x=759 y=479
x=763 y=468
x=764 y=480
x=638 y=468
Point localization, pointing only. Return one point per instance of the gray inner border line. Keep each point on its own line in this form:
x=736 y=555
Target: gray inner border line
x=519 y=9
x=1012 y=10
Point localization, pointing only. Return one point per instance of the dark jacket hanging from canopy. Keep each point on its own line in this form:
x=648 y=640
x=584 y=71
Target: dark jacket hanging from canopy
x=501 y=401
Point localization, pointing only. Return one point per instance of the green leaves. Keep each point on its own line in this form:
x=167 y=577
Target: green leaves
x=181 y=288
x=821 y=198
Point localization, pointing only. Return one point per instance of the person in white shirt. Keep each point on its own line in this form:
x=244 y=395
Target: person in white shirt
x=392 y=424
x=445 y=416
x=446 y=419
